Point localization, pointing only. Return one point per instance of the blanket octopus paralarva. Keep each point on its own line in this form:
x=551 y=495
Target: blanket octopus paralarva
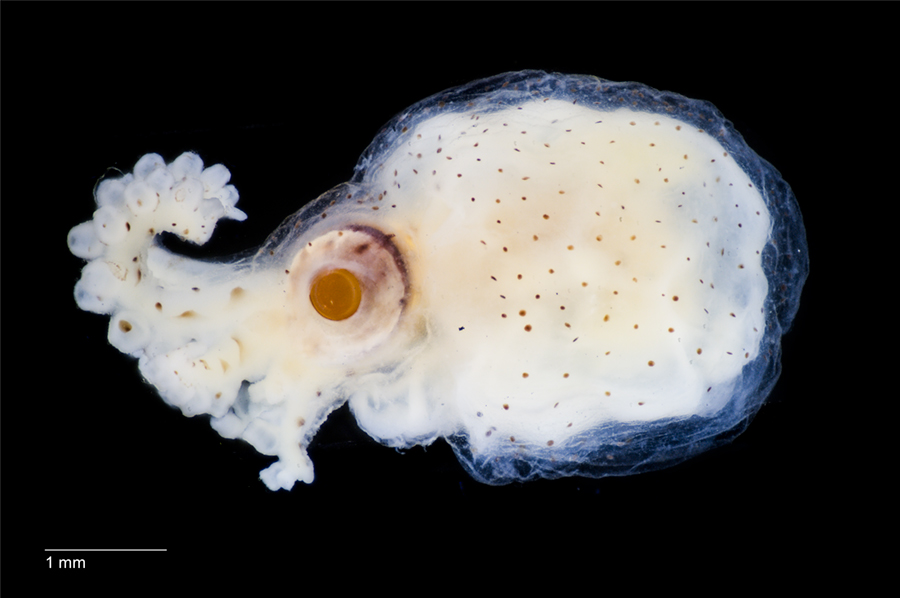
x=559 y=275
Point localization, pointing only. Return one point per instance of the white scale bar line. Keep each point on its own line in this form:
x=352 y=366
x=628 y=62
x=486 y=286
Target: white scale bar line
x=105 y=549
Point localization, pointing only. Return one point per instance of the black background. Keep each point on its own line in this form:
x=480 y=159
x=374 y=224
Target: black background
x=287 y=98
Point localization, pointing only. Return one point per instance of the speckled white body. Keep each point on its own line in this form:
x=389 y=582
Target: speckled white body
x=560 y=253
x=567 y=270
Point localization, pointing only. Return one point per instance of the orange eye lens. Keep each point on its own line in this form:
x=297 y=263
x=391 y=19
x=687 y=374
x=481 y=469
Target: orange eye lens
x=335 y=294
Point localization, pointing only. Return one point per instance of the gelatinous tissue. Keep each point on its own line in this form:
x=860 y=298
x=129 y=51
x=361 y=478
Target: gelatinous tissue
x=559 y=275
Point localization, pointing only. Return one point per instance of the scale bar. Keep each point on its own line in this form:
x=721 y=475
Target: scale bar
x=105 y=549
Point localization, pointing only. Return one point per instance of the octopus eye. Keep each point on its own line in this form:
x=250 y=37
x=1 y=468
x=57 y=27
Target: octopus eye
x=348 y=288
x=335 y=294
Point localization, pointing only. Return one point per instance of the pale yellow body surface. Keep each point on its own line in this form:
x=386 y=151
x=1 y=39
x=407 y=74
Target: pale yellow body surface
x=525 y=277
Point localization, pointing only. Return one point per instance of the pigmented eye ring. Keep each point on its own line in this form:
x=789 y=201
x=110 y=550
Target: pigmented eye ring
x=335 y=294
